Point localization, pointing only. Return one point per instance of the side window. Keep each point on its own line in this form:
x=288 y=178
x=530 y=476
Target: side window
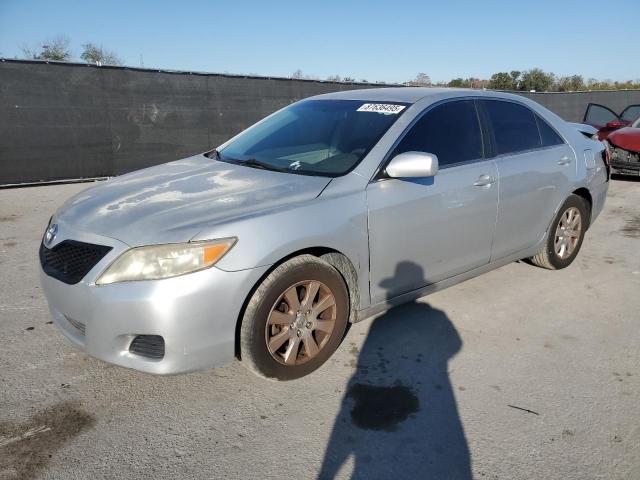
x=548 y=135
x=514 y=127
x=599 y=115
x=451 y=131
x=630 y=113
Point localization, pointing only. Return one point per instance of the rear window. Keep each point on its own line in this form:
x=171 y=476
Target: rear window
x=514 y=127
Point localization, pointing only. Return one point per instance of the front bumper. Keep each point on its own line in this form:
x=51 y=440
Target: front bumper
x=625 y=168
x=196 y=314
x=624 y=162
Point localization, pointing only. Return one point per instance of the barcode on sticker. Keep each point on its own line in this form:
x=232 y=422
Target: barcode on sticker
x=386 y=108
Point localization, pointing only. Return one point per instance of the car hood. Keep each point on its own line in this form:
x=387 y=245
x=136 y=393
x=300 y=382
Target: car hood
x=174 y=201
x=627 y=138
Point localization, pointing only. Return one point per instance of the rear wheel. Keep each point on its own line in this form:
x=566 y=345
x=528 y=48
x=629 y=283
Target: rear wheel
x=295 y=319
x=565 y=235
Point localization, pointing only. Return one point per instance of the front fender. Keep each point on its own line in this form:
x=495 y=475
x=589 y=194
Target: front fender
x=338 y=223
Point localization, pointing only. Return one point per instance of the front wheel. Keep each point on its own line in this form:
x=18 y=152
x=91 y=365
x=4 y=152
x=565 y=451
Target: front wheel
x=295 y=319
x=565 y=235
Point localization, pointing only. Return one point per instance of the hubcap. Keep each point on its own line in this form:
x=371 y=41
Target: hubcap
x=568 y=233
x=300 y=322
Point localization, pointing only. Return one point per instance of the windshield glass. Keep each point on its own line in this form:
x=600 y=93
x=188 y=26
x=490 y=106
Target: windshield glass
x=314 y=137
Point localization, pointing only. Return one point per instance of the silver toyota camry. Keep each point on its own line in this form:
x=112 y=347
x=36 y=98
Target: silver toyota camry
x=328 y=211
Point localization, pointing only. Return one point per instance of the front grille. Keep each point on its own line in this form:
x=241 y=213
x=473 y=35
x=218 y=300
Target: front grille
x=79 y=326
x=150 y=346
x=70 y=261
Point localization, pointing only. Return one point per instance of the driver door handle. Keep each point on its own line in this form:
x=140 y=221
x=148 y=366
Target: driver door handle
x=564 y=160
x=485 y=181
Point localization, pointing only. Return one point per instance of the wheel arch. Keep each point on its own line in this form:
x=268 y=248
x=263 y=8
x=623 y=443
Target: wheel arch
x=335 y=258
x=585 y=194
x=581 y=192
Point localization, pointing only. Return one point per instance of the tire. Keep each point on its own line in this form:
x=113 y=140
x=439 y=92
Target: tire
x=272 y=316
x=550 y=258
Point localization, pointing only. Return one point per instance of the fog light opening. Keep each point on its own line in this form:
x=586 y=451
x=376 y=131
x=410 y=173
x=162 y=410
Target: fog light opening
x=148 y=346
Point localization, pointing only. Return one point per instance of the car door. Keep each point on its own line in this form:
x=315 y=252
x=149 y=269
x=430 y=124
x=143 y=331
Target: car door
x=535 y=167
x=428 y=229
x=630 y=114
x=607 y=121
x=599 y=115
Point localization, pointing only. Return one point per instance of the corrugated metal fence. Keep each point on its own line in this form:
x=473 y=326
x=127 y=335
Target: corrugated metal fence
x=66 y=121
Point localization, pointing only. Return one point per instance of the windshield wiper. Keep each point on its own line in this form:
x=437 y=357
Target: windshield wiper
x=213 y=154
x=249 y=162
x=252 y=162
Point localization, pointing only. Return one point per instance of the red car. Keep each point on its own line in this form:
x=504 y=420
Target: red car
x=621 y=133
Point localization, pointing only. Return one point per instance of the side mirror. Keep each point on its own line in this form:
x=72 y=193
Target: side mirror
x=615 y=124
x=413 y=165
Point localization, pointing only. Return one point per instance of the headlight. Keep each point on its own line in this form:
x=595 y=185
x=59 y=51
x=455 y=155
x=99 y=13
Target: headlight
x=164 y=261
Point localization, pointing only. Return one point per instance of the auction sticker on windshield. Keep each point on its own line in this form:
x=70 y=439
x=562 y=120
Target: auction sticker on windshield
x=386 y=108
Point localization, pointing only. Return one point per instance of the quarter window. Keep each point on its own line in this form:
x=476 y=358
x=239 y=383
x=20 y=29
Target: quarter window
x=548 y=135
x=514 y=127
x=450 y=131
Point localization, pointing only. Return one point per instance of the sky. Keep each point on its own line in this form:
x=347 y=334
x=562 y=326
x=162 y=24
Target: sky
x=375 y=40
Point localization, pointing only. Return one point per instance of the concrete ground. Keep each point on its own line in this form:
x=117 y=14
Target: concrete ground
x=521 y=373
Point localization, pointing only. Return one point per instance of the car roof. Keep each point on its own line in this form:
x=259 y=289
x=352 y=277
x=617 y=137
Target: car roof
x=410 y=94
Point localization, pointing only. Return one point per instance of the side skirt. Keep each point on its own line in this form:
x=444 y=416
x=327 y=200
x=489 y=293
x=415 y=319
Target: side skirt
x=449 y=282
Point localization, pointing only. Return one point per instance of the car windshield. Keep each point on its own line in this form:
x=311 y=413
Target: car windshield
x=314 y=137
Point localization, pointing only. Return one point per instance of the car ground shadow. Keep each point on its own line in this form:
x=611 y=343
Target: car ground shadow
x=625 y=178
x=399 y=416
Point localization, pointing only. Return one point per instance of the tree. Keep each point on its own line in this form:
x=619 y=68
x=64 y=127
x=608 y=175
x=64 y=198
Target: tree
x=471 y=82
x=503 y=81
x=334 y=78
x=297 y=74
x=515 y=78
x=536 y=79
x=348 y=79
x=421 y=80
x=570 y=84
x=56 y=49
x=98 y=55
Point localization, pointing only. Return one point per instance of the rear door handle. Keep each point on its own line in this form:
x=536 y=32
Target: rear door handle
x=485 y=181
x=564 y=160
